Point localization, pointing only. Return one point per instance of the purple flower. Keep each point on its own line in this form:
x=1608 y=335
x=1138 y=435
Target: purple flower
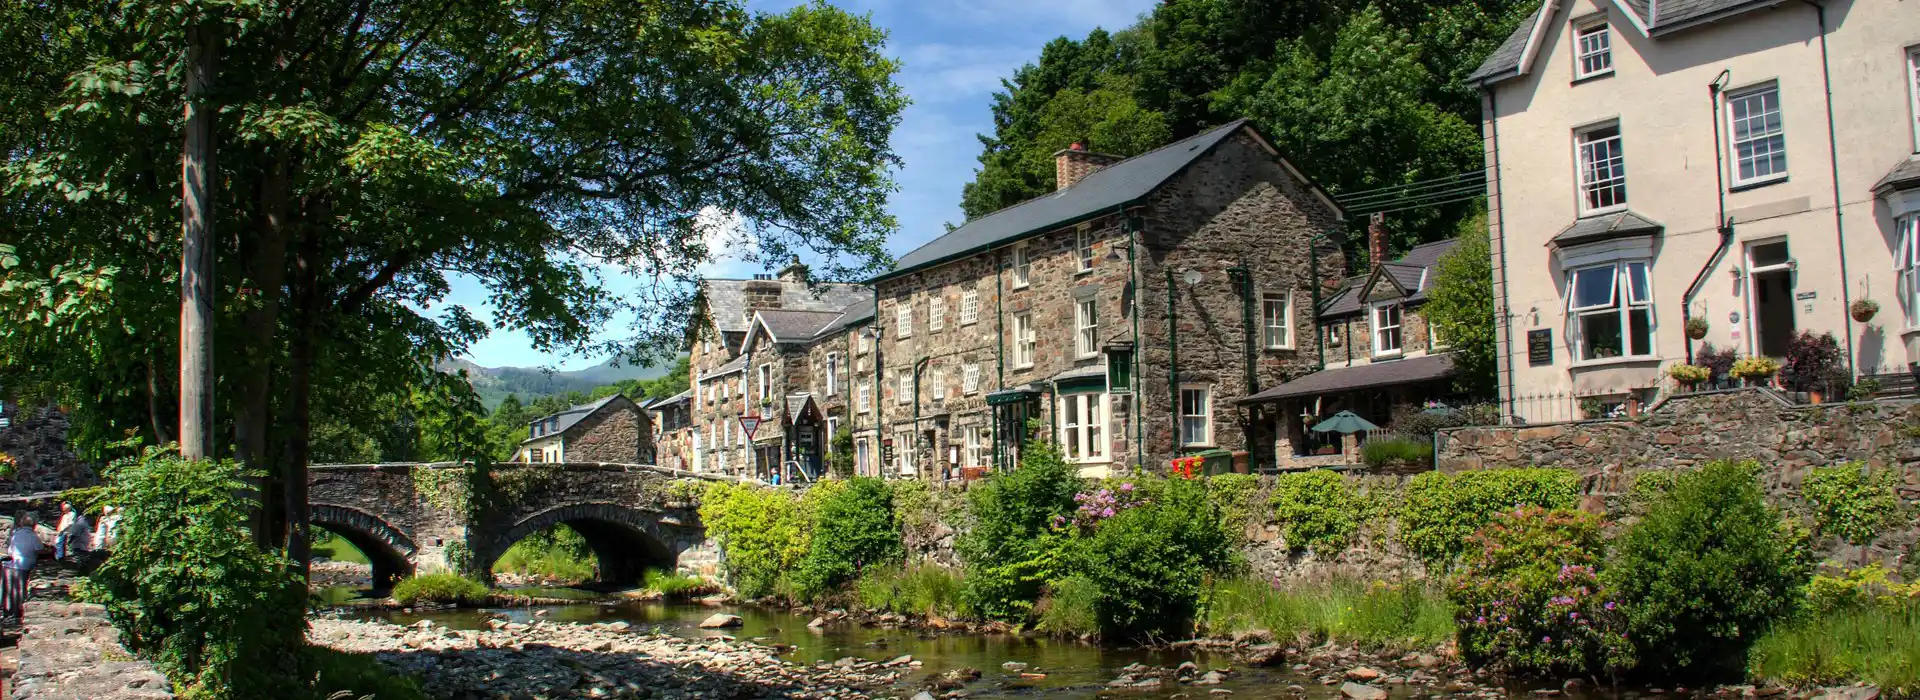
x=1546 y=640
x=1609 y=605
x=1108 y=513
x=1573 y=615
x=1126 y=486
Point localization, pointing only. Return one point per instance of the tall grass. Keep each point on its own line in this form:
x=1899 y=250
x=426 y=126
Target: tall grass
x=1383 y=450
x=1877 y=644
x=1069 y=608
x=671 y=585
x=919 y=589
x=1374 y=616
x=440 y=588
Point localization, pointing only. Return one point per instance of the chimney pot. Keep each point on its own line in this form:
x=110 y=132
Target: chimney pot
x=1075 y=162
x=1079 y=146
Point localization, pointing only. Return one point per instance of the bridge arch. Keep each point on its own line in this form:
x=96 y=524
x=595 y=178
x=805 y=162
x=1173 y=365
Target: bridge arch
x=626 y=541
x=388 y=549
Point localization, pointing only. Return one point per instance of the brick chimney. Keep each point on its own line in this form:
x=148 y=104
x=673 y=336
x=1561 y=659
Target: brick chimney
x=794 y=273
x=1075 y=162
x=1377 y=240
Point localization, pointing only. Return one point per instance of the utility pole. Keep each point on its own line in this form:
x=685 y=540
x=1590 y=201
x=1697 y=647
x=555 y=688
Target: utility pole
x=196 y=250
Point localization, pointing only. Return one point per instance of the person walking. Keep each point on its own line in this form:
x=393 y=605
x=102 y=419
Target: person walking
x=105 y=532
x=23 y=551
x=68 y=531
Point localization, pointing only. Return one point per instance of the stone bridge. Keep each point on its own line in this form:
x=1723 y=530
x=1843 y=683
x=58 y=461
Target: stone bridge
x=444 y=516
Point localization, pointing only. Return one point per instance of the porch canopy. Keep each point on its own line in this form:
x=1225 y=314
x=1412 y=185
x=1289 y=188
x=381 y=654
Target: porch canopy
x=1378 y=374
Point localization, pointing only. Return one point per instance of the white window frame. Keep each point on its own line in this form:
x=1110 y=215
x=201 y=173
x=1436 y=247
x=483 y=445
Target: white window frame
x=969 y=307
x=865 y=395
x=862 y=454
x=1377 y=323
x=1590 y=186
x=1024 y=343
x=976 y=443
x=1085 y=420
x=903 y=387
x=1906 y=265
x=903 y=319
x=1436 y=338
x=1625 y=299
x=1086 y=328
x=936 y=314
x=903 y=452
x=1282 y=326
x=1913 y=87
x=1600 y=50
x=970 y=379
x=1083 y=248
x=1205 y=416
x=833 y=373
x=864 y=342
x=766 y=380
x=1775 y=141
x=1022 y=265
x=935 y=379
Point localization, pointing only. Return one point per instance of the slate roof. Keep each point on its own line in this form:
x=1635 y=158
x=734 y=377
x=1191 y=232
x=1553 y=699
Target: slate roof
x=1662 y=17
x=1905 y=176
x=1506 y=59
x=1606 y=227
x=671 y=400
x=855 y=313
x=734 y=365
x=797 y=405
x=1407 y=272
x=795 y=326
x=727 y=299
x=569 y=418
x=1411 y=370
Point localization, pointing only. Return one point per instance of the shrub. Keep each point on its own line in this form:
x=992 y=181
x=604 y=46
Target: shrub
x=761 y=530
x=1010 y=547
x=1862 y=587
x=1389 y=450
x=1440 y=511
x=1151 y=563
x=672 y=585
x=1317 y=510
x=1234 y=495
x=1880 y=646
x=1422 y=422
x=1099 y=504
x=1814 y=362
x=187 y=586
x=1719 y=361
x=1851 y=502
x=1377 y=616
x=854 y=529
x=1707 y=569
x=840 y=453
x=557 y=552
x=1529 y=600
x=444 y=589
x=1071 y=607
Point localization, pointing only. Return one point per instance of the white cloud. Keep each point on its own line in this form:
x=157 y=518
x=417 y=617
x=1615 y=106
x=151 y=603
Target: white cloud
x=730 y=251
x=938 y=72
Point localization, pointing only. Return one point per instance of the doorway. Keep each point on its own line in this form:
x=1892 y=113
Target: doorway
x=1770 y=297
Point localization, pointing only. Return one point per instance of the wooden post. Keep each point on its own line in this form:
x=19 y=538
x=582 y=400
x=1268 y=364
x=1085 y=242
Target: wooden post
x=196 y=259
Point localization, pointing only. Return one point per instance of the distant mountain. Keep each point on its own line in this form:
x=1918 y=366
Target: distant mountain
x=493 y=384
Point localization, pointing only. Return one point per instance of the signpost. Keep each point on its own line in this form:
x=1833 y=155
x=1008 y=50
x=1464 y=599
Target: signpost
x=748 y=424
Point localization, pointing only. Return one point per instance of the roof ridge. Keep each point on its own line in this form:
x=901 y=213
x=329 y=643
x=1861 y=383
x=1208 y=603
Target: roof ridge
x=1088 y=176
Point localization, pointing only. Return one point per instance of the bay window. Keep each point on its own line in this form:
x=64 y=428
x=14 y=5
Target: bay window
x=1611 y=309
x=1906 y=263
x=1385 y=321
x=1083 y=420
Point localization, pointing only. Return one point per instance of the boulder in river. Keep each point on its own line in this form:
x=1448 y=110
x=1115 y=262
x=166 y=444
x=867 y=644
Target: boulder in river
x=1355 y=691
x=720 y=620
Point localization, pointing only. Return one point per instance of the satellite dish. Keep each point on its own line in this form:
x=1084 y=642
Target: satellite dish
x=1192 y=277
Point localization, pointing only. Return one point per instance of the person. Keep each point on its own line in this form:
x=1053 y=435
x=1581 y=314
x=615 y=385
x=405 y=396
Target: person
x=23 y=551
x=105 y=531
x=61 y=531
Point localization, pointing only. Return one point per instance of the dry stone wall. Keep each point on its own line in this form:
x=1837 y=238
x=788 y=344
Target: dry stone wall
x=36 y=439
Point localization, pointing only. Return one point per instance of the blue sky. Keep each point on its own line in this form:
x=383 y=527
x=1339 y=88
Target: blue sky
x=954 y=53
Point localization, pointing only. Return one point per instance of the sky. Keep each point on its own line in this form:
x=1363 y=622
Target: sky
x=953 y=54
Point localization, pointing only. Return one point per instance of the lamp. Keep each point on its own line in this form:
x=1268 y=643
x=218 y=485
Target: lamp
x=1113 y=254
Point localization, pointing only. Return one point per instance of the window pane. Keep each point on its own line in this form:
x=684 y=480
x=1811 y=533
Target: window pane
x=1640 y=331
x=1637 y=283
x=1758 y=134
x=1600 y=336
x=1593 y=287
x=1770 y=254
x=1603 y=175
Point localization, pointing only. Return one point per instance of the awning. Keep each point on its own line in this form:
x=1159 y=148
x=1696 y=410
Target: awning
x=1333 y=381
x=1905 y=176
x=1012 y=395
x=1085 y=380
x=1606 y=227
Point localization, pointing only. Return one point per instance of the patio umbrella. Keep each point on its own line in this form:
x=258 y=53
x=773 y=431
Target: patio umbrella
x=1344 y=422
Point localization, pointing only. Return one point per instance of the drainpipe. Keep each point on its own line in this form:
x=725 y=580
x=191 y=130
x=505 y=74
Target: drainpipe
x=879 y=436
x=1173 y=363
x=1720 y=190
x=999 y=358
x=1506 y=316
x=1139 y=347
x=1839 y=217
x=919 y=366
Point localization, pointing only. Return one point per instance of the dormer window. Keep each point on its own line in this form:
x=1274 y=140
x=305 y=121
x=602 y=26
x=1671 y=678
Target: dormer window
x=1386 y=329
x=1592 y=49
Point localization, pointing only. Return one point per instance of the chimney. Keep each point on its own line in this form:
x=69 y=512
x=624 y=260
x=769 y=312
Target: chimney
x=1377 y=240
x=1075 y=162
x=794 y=273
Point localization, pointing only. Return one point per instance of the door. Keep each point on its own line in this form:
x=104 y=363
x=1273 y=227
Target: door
x=1770 y=298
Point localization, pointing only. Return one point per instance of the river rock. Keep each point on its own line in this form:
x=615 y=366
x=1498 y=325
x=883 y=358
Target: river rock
x=1186 y=669
x=1362 y=674
x=1264 y=654
x=1357 y=691
x=1211 y=678
x=1013 y=666
x=817 y=623
x=720 y=621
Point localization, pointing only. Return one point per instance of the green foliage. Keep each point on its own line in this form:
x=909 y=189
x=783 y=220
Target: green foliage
x=336 y=548
x=919 y=589
x=1852 y=502
x=762 y=530
x=1648 y=487
x=1863 y=587
x=1010 y=547
x=854 y=529
x=1879 y=646
x=1071 y=607
x=359 y=675
x=915 y=514
x=1415 y=420
x=1317 y=510
x=1707 y=569
x=558 y=552
x=1438 y=512
x=441 y=589
x=1377 y=617
x=1390 y=450
x=1235 y=495
x=1152 y=562
x=459 y=557
x=673 y=586
x=1530 y=600
x=1460 y=306
x=188 y=588
x=840 y=453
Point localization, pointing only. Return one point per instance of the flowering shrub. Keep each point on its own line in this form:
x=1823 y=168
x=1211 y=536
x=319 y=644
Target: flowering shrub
x=1530 y=601
x=1689 y=374
x=1101 y=504
x=1757 y=367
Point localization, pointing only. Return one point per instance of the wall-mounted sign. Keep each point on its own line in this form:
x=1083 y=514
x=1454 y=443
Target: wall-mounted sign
x=1803 y=296
x=1540 y=347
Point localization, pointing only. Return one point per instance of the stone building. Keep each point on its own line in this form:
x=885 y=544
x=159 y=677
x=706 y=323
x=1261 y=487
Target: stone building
x=673 y=430
x=613 y=430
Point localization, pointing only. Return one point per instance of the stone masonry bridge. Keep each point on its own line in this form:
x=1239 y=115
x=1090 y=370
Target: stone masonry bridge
x=435 y=517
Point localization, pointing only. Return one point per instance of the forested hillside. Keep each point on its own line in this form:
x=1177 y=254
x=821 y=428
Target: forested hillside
x=1360 y=95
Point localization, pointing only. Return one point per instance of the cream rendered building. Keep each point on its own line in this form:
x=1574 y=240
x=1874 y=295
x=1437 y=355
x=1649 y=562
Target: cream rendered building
x=1655 y=160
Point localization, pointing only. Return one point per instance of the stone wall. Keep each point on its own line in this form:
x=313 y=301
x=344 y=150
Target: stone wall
x=619 y=434
x=36 y=439
x=70 y=651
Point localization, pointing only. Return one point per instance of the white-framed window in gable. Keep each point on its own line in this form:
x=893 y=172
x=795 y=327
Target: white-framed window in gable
x=1083 y=247
x=1436 y=336
x=903 y=317
x=1610 y=308
x=1083 y=427
x=1276 y=321
x=1906 y=263
x=936 y=313
x=969 y=307
x=1196 y=415
x=1022 y=265
x=970 y=379
x=1023 y=340
x=1603 y=169
x=1384 y=320
x=833 y=373
x=1086 y=337
x=766 y=381
x=1756 y=136
x=1592 y=48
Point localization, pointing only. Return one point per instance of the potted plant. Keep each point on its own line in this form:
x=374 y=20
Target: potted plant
x=1864 y=309
x=1755 y=370
x=1697 y=328
x=1689 y=376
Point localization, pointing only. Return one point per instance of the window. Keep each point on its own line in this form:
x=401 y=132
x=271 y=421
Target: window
x=1022 y=265
x=1083 y=247
x=865 y=344
x=766 y=381
x=862 y=457
x=1612 y=311
x=903 y=315
x=1023 y=340
x=1083 y=422
x=1759 y=139
x=1592 y=50
x=866 y=396
x=1087 y=325
x=833 y=428
x=1386 y=329
x=1436 y=336
x=1906 y=261
x=969 y=306
x=903 y=451
x=903 y=387
x=833 y=373
x=937 y=380
x=1913 y=69
x=970 y=379
x=1196 y=416
x=976 y=445
x=1276 y=316
x=936 y=313
x=1603 y=170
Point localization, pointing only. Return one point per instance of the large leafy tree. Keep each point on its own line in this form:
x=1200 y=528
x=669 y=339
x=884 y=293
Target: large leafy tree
x=369 y=151
x=1461 y=306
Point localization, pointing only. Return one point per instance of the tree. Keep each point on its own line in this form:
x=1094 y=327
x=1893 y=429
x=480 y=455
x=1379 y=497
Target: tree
x=1461 y=307
x=369 y=151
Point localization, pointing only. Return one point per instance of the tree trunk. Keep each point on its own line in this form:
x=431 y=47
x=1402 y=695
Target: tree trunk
x=297 y=422
x=266 y=255
x=196 y=260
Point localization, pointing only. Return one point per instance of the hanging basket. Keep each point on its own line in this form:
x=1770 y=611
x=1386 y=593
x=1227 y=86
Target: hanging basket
x=1697 y=328
x=1863 y=310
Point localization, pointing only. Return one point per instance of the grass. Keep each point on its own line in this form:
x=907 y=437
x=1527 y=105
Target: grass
x=671 y=585
x=1876 y=644
x=1373 y=616
x=1069 y=607
x=332 y=546
x=439 y=588
x=358 y=675
x=558 y=553
x=921 y=589
x=1384 y=450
